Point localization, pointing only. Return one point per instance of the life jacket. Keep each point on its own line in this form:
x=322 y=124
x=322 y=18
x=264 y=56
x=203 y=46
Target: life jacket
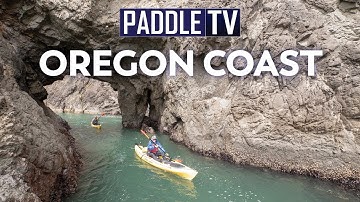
x=154 y=151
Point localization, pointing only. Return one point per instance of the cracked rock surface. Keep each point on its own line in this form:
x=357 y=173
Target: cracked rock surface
x=306 y=125
x=82 y=95
x=38 y=159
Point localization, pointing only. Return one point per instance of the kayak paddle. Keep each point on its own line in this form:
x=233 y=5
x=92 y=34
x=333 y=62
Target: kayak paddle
x=143 y=132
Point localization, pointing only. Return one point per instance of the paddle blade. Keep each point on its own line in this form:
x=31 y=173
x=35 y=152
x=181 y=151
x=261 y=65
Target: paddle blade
x=143 y=132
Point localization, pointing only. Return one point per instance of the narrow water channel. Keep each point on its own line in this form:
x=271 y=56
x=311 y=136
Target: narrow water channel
x=112 y=172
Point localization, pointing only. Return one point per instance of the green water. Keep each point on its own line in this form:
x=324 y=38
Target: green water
x=112 y=172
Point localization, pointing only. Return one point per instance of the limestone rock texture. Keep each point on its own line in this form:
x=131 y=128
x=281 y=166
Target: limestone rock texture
x=305 y=125
x=82 y=95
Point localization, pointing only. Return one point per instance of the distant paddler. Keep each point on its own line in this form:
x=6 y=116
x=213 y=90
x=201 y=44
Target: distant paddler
x=95 y=121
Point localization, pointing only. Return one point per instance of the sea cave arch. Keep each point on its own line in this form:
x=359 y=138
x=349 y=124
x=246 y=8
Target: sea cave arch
x=139 y=98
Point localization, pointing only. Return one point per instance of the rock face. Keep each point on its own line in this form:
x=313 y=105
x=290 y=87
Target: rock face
x=82 y=95
x=301 y=124
x=307 y=125
x=38 y=159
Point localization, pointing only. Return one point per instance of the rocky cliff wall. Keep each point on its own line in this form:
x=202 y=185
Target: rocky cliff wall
x=82 y=95
x=38 y=160
x=307 y=125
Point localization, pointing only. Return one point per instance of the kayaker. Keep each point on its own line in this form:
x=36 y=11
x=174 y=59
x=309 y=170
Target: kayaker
x=95 y=121
x=155 y=149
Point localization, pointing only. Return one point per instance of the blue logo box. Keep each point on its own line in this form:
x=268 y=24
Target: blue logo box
x=180 y=22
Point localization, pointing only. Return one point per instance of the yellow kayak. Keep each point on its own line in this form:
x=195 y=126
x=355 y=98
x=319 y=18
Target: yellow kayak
x=96 y=126
x=169 y=166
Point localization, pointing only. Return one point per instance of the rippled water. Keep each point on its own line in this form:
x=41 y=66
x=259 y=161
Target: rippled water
x=112 y=172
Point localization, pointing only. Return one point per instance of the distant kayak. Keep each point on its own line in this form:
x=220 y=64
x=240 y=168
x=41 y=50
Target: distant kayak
x=169 y=166
x=96 y=126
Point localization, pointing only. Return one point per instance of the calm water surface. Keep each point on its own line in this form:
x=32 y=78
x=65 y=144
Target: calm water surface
x=112 y=172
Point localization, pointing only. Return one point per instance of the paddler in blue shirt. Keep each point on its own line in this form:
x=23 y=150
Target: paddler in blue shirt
x=155 y=149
